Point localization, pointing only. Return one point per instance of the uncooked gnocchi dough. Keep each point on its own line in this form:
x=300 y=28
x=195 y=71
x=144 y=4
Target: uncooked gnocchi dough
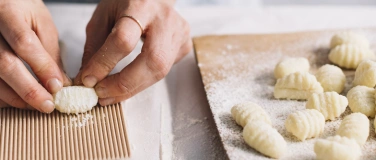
x=264 y=138
x=248 y=111
x=75 y=99
x=330 y=104
x=298 y=85
x=362 y=99
x=291 y=65
x=349 y=38
x=305 y=124
x=331 y=78
x=365 y=74
x=337 y=148
x=349 y=55
x=355 y=126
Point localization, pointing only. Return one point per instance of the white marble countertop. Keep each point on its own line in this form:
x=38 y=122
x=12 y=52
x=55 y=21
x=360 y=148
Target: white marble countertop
x=172 y=119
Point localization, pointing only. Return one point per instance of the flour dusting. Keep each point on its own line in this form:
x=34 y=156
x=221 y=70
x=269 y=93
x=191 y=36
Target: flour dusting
x=81 y=120
x=239 y=75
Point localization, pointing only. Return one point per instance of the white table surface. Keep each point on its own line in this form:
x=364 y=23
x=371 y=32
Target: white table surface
x=172 y=119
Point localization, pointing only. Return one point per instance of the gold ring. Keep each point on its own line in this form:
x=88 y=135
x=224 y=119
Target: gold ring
x=137 y=21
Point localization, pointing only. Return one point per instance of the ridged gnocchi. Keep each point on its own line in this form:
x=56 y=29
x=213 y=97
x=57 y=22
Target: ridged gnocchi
x=305 y=124
x=365 y=74
x=331 y=78
x=330 y=104
x=298 y=85
x=337 y=148
x=349 y=55
x=355 y=126
x=349 y=38
x=291 y=65
x=75 y=99
x=248 y=111
x=362 y=99
x=265 y=139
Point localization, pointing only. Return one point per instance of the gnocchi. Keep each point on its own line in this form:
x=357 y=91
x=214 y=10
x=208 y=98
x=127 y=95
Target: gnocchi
x=349 y=38
x=75 y=99
x=291 y=65
x=265 y=139
x=305 y=124
x=337 y=148
x=330 y=104
x=245 y=112
x=349 y=55
x=298 y=85
x=331 y=78
x=355 y=126
x=365 y=74
x=362 y=99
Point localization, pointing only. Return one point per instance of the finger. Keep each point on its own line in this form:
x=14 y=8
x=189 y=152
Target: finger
x=16 y=75
x=120 y=42
x=182 y=36
x=26 y=44
x=8 y=95
x=184 y=50
x=67 y=79
x=3 y=104
x=153 y=63
x=96 y=34
x=111 y=100
x=48 y=36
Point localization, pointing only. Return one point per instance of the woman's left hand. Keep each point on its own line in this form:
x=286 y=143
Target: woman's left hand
x=111 y=37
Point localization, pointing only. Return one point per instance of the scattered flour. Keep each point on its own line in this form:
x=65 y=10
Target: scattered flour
x=81 y=120
x=248 y=76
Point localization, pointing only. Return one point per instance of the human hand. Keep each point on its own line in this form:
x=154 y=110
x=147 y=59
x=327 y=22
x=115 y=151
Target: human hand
x=111 y=37
x=27 y=33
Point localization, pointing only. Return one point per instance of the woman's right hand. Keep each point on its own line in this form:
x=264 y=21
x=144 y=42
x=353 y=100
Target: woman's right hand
x=28 y=33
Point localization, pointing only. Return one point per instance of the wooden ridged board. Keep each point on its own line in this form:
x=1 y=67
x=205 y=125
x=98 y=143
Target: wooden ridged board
x=97 y=134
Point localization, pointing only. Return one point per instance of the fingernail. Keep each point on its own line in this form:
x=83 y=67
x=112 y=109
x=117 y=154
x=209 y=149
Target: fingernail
x=106 y=101
x=69 y=79
x=101 y=92
x=47 y=106
x=54 y=85
x=90 y=81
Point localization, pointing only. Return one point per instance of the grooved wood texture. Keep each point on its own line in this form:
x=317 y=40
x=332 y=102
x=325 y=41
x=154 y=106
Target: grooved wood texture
x=97 y=134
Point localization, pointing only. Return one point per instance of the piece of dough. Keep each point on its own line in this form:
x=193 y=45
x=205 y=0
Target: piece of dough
x=291 y=65
x=349 y=38
x=305 y=124
x=337 y=148
x=362 y=99
x=75 y=99
x=265 y=139
x=330 y=104
x=365 y=74
x=248 y=111
x=331 y=78
x=298 y=85
x=355 y=126
x=349 y=56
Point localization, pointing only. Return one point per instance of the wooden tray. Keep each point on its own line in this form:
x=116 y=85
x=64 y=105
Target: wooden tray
x=239 y=68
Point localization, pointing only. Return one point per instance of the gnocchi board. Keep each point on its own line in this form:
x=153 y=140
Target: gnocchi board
x=239 y=68
x=97 y=134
